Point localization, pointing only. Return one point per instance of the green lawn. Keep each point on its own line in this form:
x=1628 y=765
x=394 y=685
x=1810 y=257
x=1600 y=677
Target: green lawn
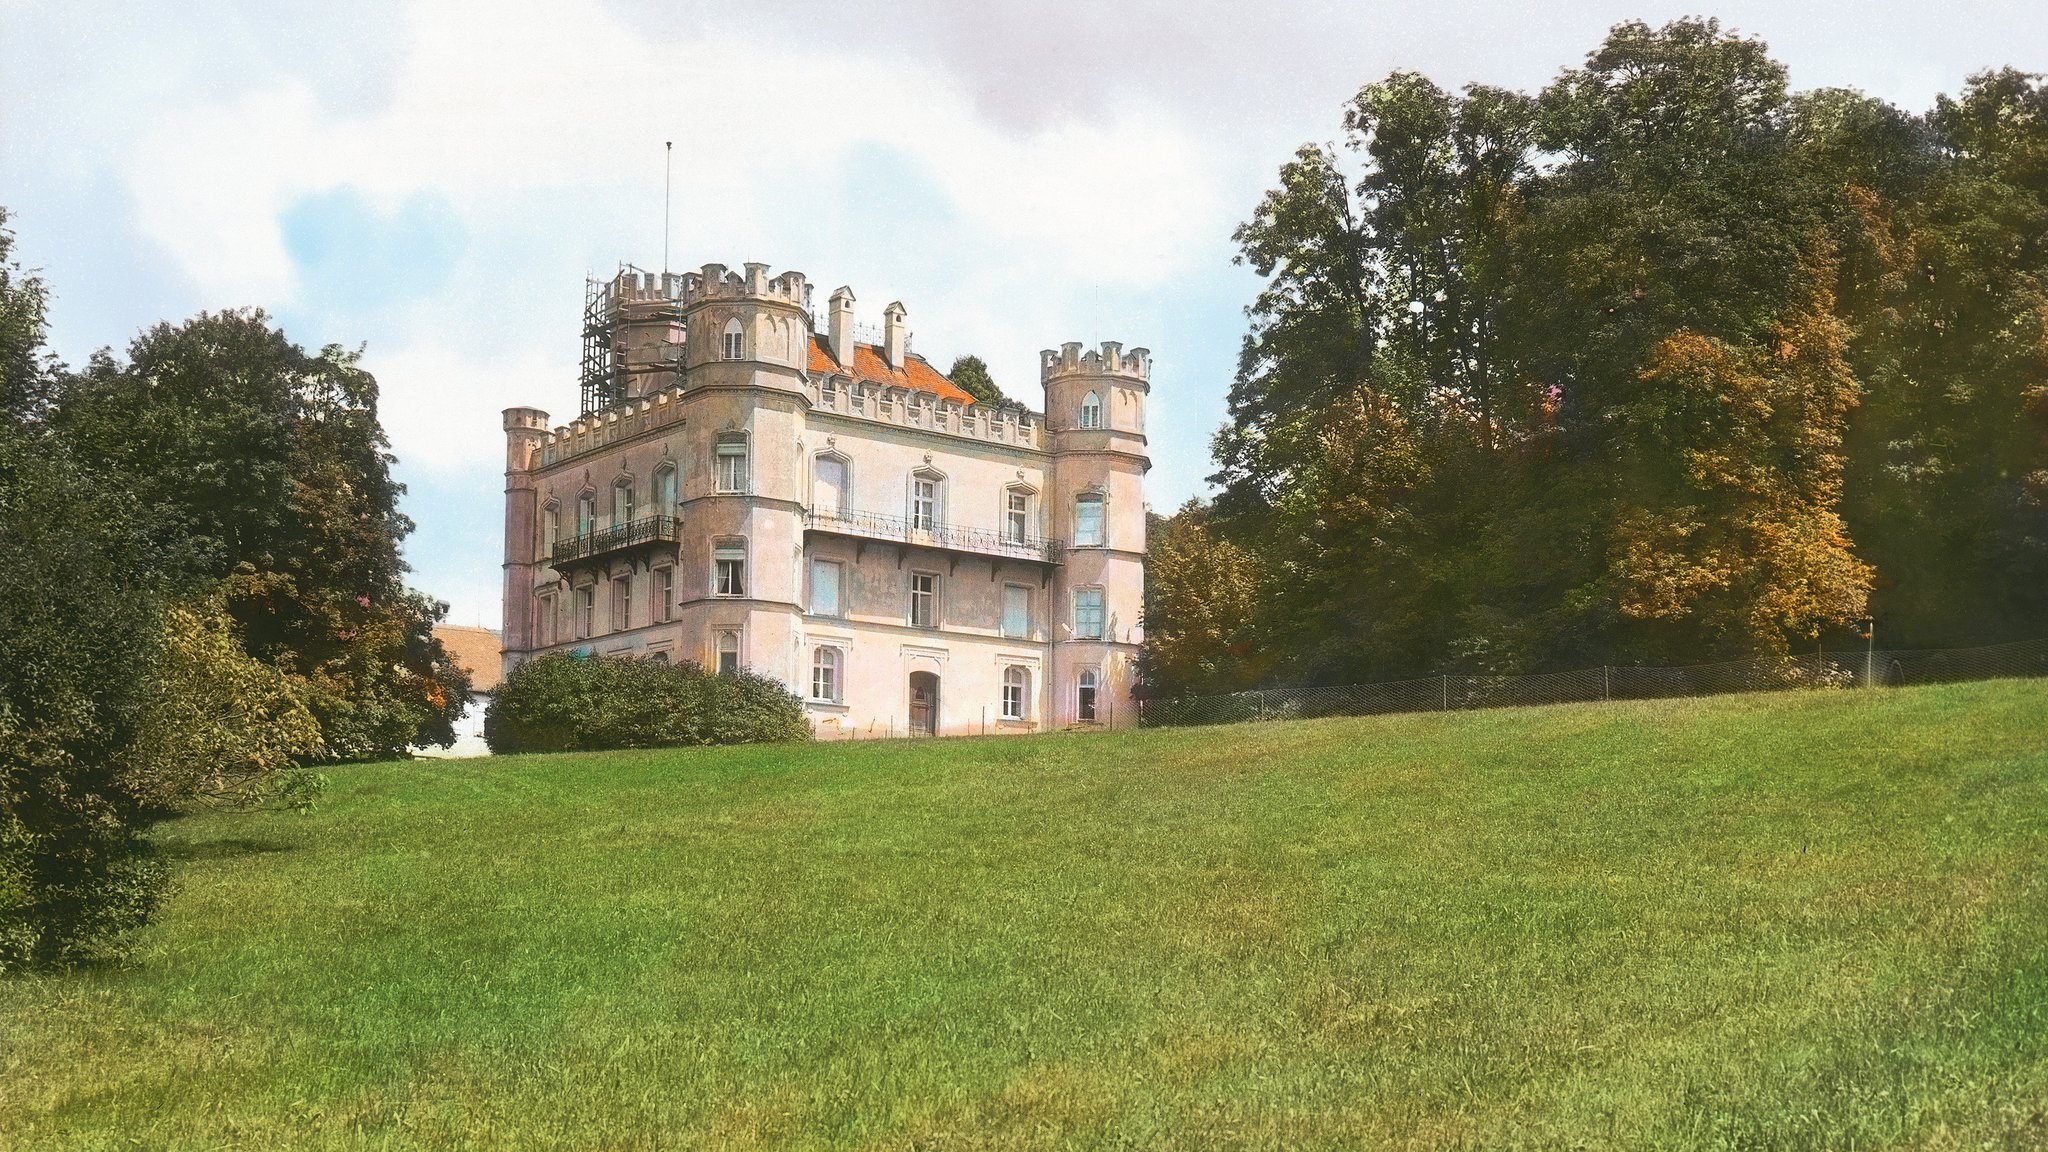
x=1805 y=920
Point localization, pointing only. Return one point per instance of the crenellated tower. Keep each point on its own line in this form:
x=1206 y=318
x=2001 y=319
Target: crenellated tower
x=1095 y=421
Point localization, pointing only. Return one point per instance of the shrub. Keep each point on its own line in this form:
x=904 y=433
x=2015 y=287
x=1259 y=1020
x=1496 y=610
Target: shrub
x=218 y=726
x=561 y=703
x=78 y=633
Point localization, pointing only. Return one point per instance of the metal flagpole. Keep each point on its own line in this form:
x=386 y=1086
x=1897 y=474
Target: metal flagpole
x=668 y=168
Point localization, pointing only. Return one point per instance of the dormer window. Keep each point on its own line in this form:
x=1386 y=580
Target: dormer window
x=734 y=344
x=1091 y=411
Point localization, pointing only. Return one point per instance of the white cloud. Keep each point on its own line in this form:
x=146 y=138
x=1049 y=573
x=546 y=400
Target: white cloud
x=1017 y=178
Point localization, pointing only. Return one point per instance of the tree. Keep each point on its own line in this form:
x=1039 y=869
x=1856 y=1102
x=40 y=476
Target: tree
x=78 y=633
x=79 y=589
x=1499 y=417
x=1201 y=595
x=1948 y=486
x=971 y=374
x=272 y=464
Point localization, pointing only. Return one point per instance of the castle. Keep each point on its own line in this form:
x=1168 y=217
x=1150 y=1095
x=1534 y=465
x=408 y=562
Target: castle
x=746 y=491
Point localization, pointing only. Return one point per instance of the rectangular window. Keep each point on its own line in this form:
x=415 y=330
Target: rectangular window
x=924 y=503
x=665 y=491
x=1017 y=517
x=586 y=514
x=728 y=653
x=1016 y=611
x=550 y=532
x=661 y=609
x=729 y=570
x=828 y=393
x=622 y=504
x=924 y=600
x=622 y=603
x=1088 y=613
x=732 y=466
x=544 y=621
x=825 y=588
x=586 y=611
x=1088 y=522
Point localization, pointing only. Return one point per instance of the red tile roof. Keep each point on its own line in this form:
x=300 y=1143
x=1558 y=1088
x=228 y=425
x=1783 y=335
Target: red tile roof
x=474 y=650
x=869 y=365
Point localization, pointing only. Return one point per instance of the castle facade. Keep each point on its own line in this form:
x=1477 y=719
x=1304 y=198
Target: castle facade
x=823 y=507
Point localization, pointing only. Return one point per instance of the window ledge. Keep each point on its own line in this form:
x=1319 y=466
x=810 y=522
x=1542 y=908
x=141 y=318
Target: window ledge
x=826 y=705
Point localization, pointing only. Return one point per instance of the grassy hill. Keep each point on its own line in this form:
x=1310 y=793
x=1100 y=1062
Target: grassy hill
x=1805 y=920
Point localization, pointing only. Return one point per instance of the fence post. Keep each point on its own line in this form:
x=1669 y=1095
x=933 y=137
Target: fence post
x=1606 y=687
x=1262 y=705
x=1447 y=692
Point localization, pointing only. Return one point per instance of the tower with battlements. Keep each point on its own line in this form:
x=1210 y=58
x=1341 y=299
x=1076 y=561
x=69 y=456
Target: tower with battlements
x=753 y=486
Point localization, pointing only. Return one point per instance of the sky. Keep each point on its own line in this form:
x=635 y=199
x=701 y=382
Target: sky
x=431 y=182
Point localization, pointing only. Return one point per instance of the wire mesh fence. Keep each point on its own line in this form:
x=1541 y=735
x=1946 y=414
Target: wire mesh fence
x=1854 y=669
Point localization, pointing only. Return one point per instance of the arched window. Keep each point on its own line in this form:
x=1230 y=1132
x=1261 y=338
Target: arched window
x=1088 y=521
x=1016 y=692
x=828 y=484
x=1091 y=411
x=731 y=468
x=1085 y=696
x=825 y=674
x=728 y=653
x=734 y=346
x=622 y=503
x=667 y=496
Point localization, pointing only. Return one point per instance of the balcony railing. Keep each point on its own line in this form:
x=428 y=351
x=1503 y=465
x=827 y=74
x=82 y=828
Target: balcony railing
x=602 y=542
x=899 y=529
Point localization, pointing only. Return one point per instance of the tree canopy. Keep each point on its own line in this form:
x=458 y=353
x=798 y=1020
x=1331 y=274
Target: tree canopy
x=1663 y=363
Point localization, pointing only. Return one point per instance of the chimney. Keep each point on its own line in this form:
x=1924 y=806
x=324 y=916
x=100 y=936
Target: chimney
x=841 y=325
x=894 y=335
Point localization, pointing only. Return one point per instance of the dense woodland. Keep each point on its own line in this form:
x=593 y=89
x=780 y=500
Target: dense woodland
x=1665 y=363
x=201 y=594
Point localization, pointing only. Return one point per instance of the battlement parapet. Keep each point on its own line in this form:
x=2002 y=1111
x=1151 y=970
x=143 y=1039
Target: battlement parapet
x=525 y=419
x=1111 y=360
x=712 y=282
x=919 y=409
x=594 y=430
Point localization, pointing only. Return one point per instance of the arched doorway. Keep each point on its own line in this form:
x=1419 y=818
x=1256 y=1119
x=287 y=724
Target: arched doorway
x=924 y=703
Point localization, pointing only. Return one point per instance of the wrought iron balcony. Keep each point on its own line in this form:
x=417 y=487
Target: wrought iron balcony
x=605 y=542
x=954 y=537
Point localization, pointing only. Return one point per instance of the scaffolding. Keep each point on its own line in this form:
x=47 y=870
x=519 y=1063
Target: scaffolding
x=615 y=311
x=604 y=377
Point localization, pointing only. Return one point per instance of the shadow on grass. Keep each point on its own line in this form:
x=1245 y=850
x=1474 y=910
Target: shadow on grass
x=226 y=849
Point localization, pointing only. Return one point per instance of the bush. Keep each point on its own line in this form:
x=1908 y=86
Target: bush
x=78 y=633
x=563 y=703
x=218 y=726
